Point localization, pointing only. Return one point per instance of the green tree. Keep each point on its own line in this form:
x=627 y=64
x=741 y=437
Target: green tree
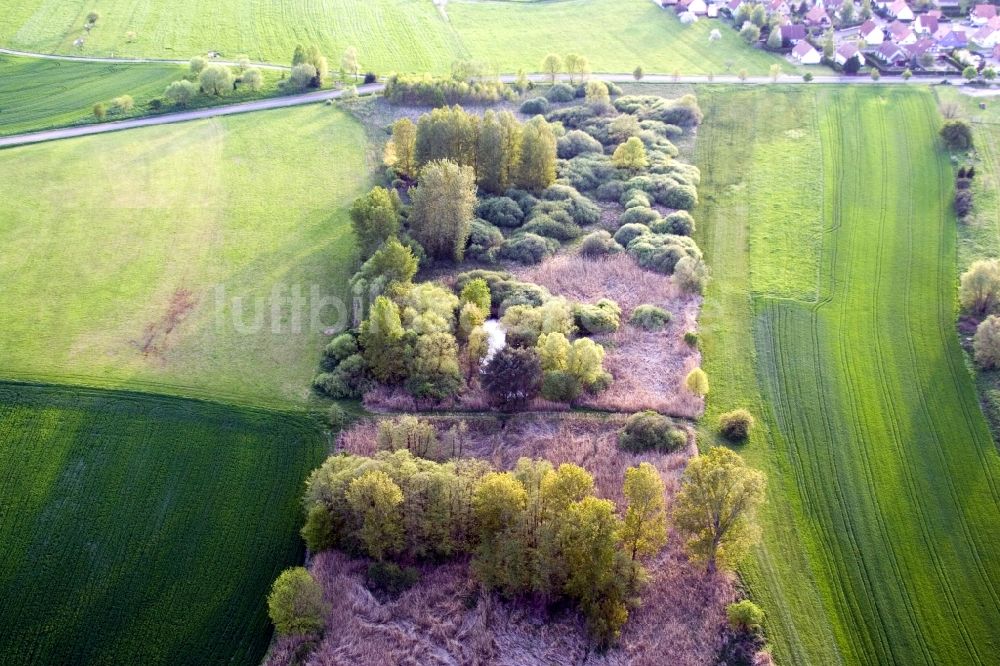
x=969 y=73
x=637 y=73
x=875 y=74
x=92 y=17
x=215 y=80
x=197 y=64
x=957 y=134
x=866 y=9
x=375 y=217
x=315 y=58
x=537 y=161
x=497 y=152
x=828 y=45
x=774 y=41
x=598 y=97
x=100 y=111
x=252 y=79
x=775 y=72
x=349 y=61
x=443 y=205
x=750 y=33
x=477 y=292
x=180 y=92
x=846 y=12
x=122 y=104
x=435 y=372
x=513 y=376
x=644 y=530
x=376 y=500
x=979 y=290
x=986 y=343
x=552 y=65
x=447 y=133
x=758 y=15
x=907 y=74
x=554 y=350
x=402 y=148
x=744 y=615
x=502 y=557
x=989 y=74
x=715 y=506
x=697 y=382
x=630 y=155
x=299 y=55
x=807 y=77
x=382 y=340
x=296 y=604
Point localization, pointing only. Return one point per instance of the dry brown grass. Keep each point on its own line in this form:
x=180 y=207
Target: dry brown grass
x=648 y=367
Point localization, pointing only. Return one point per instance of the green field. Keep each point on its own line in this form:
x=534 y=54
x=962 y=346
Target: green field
x=143 y=530
x=391 y=35
x=123 y=253
x=880 y=536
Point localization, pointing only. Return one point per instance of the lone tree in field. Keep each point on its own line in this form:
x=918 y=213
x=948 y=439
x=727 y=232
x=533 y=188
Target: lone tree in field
x=630 y=155
x=93 y=17
x=443 y=205
x=215 y=80
x=979 y=292
x=957 y=134
x=986 y=343
x=552 y=65
x=537 y=163
x=375 y=217
x=715 y=506
x=296 y=603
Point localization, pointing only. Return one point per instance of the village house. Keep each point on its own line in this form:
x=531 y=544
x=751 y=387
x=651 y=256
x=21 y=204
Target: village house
x=987 y=36
x=926 y=24
x=917 y=50
x=981 y=14
x=792 y=34
x=806 y=54
x=696 y=7
x=817 y=17
x=871 y=33
x=845 y=52
x=956 y=39
x=901 y=33
x=899 y=10
x=892 y=55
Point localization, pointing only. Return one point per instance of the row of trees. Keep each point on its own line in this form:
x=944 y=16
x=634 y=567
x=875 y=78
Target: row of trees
x=501 y=151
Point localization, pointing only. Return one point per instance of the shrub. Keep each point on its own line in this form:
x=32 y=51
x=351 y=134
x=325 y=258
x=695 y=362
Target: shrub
x=630 y=232
x=155 y=104
x=370 y=77
x=661 y=252
x=296 y=603
x=535 y=106
x=513 y=376
x=348 y=380
x=484 y=239
x=180 y=92
x=389 y=580
x=640 y=215
x=122 y=104
x=603 y=317
x=679 y=223
x=745 y=615
x=501 y=211
x=528 y=248
x=610 y=191
x=588 y=172
x=979 y=289
x=341 y=347
x=986 y=343
x=577 y=142
x=650 y=317
x=691 y=274
x=525 y=200
x=963 y=203
x=697 y=382
x=684 y=197
x=302 y=76
x=957 y=134
x=635 y=198
x=650 y=431
x=691 y=339
x=736 y=425
x=581 y=209
x=550 y=227
x=599 y=244
x=560 y=386
x=561 y=92
x=100 y=110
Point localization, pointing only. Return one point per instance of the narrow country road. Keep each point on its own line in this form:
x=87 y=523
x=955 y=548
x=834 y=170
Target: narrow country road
x=322 y=95
x=128 y=61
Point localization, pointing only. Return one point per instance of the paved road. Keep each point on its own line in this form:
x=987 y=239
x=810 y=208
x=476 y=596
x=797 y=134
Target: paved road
x=318 y=96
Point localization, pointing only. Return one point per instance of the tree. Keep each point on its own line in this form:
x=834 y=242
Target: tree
x=644 y=530
x=775 y=72
x=866 y=9
x=875 y=74
x=598 y=96
x=374 y=217
x=744 y=615
x=513 y=376
x=697 y=382
x=986 y=343
x=846 y=12
x=299 y=55
x=828 y=45
x=123 y=103
x=989 y=73
x=572 y=64
x=637 y=73
x=750 y=33
x=349 y=61
x=197 y=64
x=477 y=292
x=376 y=500
x=969 y=73
x=315 y=58
x=401 y=152
x=435 y=372
x=774 y=41
x=498 y=150
x=552 y=65
x=448 y=133
x=100 y=111
x=979 y=290
x=93 y=17
x=630 y=155
x=715 y=506
x=215 y=80
x=443 y=205
x=807 y=77
x=742 y=75
x=736 y=425
x=853 y=65
x=296 y=604
x=537 y=160
x=907 y=74
x=382 y=340
x=180 y=92
x=252 y=79
x=758 y=15
x=957 y=134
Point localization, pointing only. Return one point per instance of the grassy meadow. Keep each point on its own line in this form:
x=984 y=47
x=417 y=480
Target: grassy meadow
x=885 y=483
x=141 y=530
x=147 y=259
x=391 y=35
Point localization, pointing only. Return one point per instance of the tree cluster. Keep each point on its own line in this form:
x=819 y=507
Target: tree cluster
x=437 y=91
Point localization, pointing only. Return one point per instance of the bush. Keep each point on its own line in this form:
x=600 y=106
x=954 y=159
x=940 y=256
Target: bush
x=588 y=172
x=679 y=223
x=697 y=382
x=296 y=603
x=560 y=386
x=370 y=77
x=513 y=376
x=736 y=425
x=691 y=274
x=603 y=317
x=963 y=203
x=528 y=248
x=180 y=92
x=957 y=134
x=501 y=211
x=650 y=318
x=979 y=287
x=640 y=215
x=986 y=343
x=581 y=209
x=599 y=244
x=550 y=227
x=577 y=142
x=635 y=198
x=661 y=252
x=389 y=580
x=341 y=347
x=691 y=339
x=484 y=240
x=535 y=106
x=155 y=104
x=610 y=191
x=348 y=380
x=525 y=200
x=650 y=431
x=684 y=197
x=561 y=92
x=629 y=233
x=744 y=615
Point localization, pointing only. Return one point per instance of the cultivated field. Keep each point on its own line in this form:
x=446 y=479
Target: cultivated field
x=879 y=541
x=126 y=255
x=391 y=35
x=141 y=530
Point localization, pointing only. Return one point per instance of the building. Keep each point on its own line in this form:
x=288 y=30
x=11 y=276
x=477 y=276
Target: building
x=806 y=54
x=926 y=24
x=792 y=34
x=901 y=33
x=817 y=16
x=981 y=14
x=892 y=55
x=845 y=52
x=871 y=33
x=899 y=10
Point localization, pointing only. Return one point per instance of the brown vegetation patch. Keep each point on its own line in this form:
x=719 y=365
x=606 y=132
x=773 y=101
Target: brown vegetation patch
x=153 y=341
x=648 y=367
